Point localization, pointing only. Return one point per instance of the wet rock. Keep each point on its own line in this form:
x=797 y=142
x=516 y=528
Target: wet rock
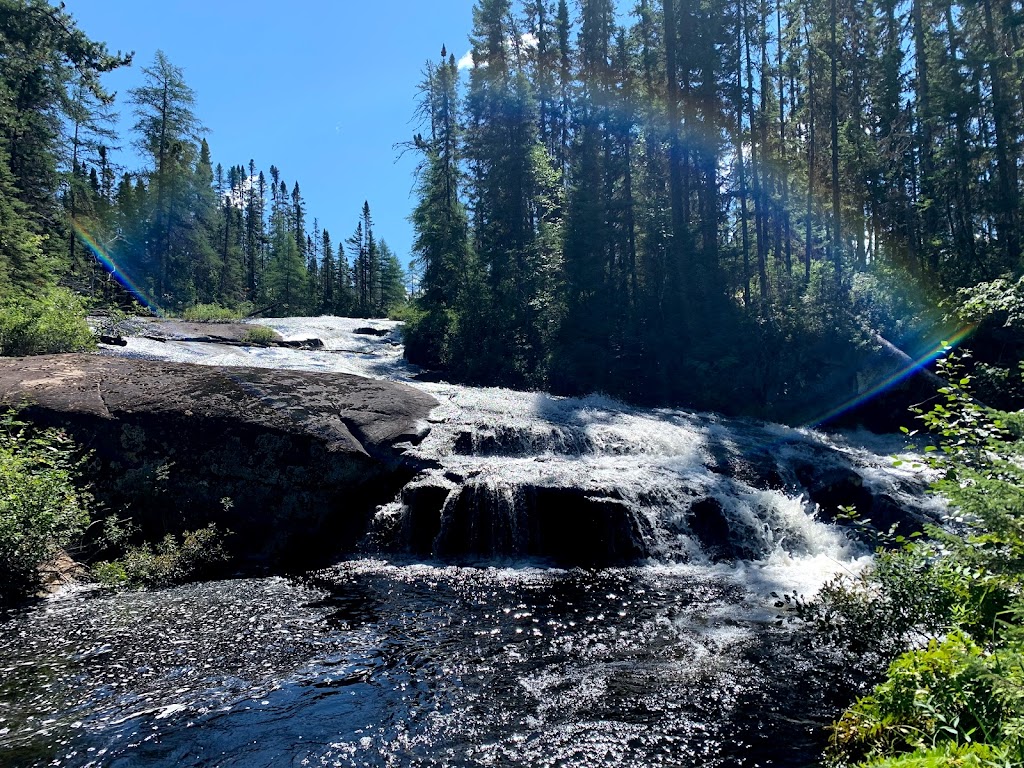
x=59 y=572
x=708 y=523
x=836 y=488
x=424 y=500
x=292 y=462
x=302 y=344
x=587 y=529
x=430 y=377
x=758 y=469
x=230 y=333
x=566 y=526
x=371 y=331
x=183 y=330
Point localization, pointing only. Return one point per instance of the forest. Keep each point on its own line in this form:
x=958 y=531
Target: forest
x=698 y=203
x=715 y=195
x=180 y=232
x=693 y=203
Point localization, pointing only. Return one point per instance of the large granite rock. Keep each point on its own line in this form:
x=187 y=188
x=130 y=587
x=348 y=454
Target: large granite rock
x=293 y=463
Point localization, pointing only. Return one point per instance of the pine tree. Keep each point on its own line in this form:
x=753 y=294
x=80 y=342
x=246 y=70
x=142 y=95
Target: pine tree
x=392 y=281
x=328 y=277
x=166 y=127
x=440 y=221
x=49 y=87
x=286 y=277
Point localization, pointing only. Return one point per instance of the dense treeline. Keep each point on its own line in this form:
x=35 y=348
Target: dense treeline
x=181 y=231
x=191 y=233
x=714 y=190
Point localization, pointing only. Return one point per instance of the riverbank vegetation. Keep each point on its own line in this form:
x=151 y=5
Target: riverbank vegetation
x=712 y=203
x=47 y=513
x=44 y=505
x=940 y=618
x=194 y=555
x=49 y=322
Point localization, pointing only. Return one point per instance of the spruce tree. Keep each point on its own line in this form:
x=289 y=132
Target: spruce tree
x=167 y=128
x=442 y=227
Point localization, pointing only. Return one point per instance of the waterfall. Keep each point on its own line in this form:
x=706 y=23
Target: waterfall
x=512 y=476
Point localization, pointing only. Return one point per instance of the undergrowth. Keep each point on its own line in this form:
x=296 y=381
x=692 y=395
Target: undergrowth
x=260 y=335
x=49 y=323
x=945 y=610
x=212 y=313
x=174 y=560
x=43 y=507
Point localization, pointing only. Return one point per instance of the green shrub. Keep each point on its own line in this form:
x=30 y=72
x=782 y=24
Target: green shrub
x=42 y=510
x=110 y=573
x=211 y=313
x=964 y=587
x=260 y=335
x=196 y=555
x=938 y=694
x=405 y=312
x=50 y=323
x=971 y=755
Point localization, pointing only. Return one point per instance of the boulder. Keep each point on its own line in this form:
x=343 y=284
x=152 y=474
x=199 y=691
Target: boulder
x=184 y=330
x=292 y=462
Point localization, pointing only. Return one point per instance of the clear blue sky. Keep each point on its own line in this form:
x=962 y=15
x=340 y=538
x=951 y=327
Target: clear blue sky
x=322 y=89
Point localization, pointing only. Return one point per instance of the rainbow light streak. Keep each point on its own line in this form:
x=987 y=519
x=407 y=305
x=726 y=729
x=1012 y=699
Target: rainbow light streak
x=117 y=273
x=915 y=365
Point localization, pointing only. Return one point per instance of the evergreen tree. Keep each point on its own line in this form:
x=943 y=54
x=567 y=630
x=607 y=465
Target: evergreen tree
x=328 y=278
x=286 y=287
x=501 y=135
x=392 y=281
x=166 y=127
x=442 y=227
x=49 y=81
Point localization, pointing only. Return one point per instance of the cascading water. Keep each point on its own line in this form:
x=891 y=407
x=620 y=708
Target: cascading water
x=452 y=640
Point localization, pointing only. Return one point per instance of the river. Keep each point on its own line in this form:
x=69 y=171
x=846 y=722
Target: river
x=489 y=656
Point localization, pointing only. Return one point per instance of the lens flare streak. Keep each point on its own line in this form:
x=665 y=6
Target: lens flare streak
x=912 y=367
x=118 y=273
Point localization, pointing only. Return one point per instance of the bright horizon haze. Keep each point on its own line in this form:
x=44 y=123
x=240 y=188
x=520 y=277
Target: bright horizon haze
x=324 y=90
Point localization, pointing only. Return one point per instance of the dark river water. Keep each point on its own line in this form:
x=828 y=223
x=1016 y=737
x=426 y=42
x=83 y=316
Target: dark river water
x=382 y=664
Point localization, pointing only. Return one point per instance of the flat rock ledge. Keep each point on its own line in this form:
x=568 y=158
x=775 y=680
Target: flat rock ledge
x=293 y=463
x=231 y=333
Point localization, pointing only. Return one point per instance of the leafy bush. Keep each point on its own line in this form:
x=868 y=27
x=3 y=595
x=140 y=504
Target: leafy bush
x=50 y=323
x=964 y=587
x=973 y=755
x=405 y=312
x=42 y=510
x=211 y=313
x=941 y=693
x=904 y=598
x=196 y=555
x=260 y=335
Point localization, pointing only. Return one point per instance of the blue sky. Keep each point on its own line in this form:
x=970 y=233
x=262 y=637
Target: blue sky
x=322 y=89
